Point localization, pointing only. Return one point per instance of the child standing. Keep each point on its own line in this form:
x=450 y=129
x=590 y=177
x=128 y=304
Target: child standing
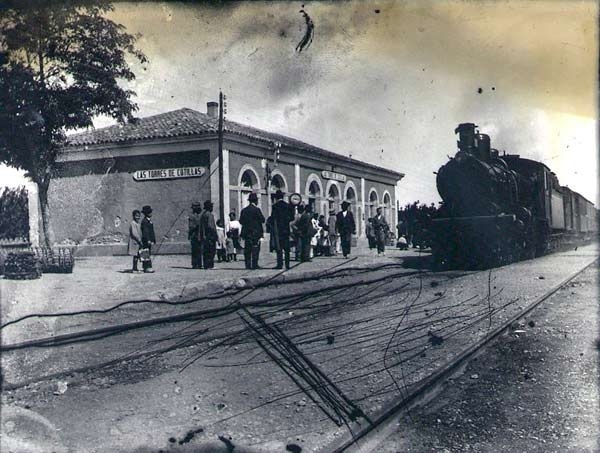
x=230 y=248
x=221 y=251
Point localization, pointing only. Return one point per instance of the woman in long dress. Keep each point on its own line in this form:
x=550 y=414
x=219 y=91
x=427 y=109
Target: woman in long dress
x=135 y=239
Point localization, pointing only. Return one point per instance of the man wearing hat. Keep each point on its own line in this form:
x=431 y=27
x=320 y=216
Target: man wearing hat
x=380 y=229
x=281 y=216
x=331 y=221
x=207 y=234
x=193 y=235
x=345 y=227
x=252 y=220
x=148 y=237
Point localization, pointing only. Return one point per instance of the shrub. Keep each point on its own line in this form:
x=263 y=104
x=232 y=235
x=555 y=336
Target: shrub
x=14 y=213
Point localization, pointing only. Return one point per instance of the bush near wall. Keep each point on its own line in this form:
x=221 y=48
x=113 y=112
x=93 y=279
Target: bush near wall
x=414 y=222
x=14 y=213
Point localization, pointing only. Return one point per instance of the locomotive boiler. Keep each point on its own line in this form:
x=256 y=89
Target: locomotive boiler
x=500 y=209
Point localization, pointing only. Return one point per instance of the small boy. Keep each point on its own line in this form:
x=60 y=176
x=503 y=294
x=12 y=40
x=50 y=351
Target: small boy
x=221 y=253
x=229 y=247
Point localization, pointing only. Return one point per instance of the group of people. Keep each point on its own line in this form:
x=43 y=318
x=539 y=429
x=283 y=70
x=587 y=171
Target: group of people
x=307 y=231
x=208 y=238
x=141 y=239
x=288 y=225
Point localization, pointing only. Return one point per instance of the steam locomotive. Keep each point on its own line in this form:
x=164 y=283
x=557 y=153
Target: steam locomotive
x=500 y=209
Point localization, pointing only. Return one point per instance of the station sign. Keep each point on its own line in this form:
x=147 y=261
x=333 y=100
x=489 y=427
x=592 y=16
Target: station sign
x=332 y=175
x=168 y=173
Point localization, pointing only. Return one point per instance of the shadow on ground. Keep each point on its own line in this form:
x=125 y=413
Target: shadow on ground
x=219 y=446
x=422 y=262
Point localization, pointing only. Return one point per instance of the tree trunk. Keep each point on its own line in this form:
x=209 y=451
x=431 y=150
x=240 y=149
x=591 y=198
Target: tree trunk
x=43 y=194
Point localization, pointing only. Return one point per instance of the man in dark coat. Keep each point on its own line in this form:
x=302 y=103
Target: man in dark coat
x=252 y=220
x=345 y=228
x=306 y=231
x=281 y=216
x=207 y=235
x=380 y=229
x=148 y=237
x=193 y=232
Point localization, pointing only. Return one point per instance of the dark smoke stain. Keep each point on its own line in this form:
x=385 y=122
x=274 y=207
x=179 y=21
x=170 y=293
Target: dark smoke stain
x=377 y=11
x=493 y=88
x=228 y=444
x=293 y=448
x=308 y=34
x=189 y=436
x=282 y=33
x=480 y=90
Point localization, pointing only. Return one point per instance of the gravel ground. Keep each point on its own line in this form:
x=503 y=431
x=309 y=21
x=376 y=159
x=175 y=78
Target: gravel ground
x=385 y=337
x=536 y=389
x=101 y=283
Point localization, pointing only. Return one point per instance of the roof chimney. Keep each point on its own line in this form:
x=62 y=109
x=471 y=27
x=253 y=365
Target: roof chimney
x=212 y=109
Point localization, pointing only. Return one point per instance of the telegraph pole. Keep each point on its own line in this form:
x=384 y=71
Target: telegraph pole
x=221 y=182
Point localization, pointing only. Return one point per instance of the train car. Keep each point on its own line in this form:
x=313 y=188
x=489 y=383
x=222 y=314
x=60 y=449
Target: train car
x=500 y=209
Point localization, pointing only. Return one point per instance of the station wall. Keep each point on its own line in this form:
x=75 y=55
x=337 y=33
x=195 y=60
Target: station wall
x=91 y=201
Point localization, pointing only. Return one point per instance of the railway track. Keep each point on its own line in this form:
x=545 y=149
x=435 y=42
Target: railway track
x=366 y=439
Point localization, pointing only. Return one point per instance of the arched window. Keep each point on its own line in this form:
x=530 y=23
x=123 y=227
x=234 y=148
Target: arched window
x=373 y=202
x=333 y=197
x=248 y=183
x=387 y=207
x=314 y=190
x=350 y=196
x=277 y=183
x=249 y=180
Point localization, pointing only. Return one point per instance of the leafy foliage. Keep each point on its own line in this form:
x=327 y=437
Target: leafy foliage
x=60 y=66
x=14 y=214
x=414 y=222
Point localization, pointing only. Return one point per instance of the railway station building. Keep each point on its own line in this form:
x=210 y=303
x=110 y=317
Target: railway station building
x=171 y=159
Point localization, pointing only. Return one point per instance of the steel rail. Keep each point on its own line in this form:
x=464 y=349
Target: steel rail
x=366 y=438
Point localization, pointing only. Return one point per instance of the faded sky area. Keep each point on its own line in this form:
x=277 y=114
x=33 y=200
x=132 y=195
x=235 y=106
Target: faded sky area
x=388 y=81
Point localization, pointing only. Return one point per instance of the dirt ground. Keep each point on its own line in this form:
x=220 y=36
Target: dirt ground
x=235 y=395
x=536 y=389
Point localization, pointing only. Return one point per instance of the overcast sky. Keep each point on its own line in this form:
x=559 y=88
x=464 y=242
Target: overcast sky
x=388 y=81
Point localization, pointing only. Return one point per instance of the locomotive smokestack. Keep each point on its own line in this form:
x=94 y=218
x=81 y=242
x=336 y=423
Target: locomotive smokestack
x=483 y=147
x=466 y=137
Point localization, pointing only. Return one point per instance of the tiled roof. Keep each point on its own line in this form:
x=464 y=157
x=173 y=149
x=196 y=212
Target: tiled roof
x=184 y=122
x=170 y=124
